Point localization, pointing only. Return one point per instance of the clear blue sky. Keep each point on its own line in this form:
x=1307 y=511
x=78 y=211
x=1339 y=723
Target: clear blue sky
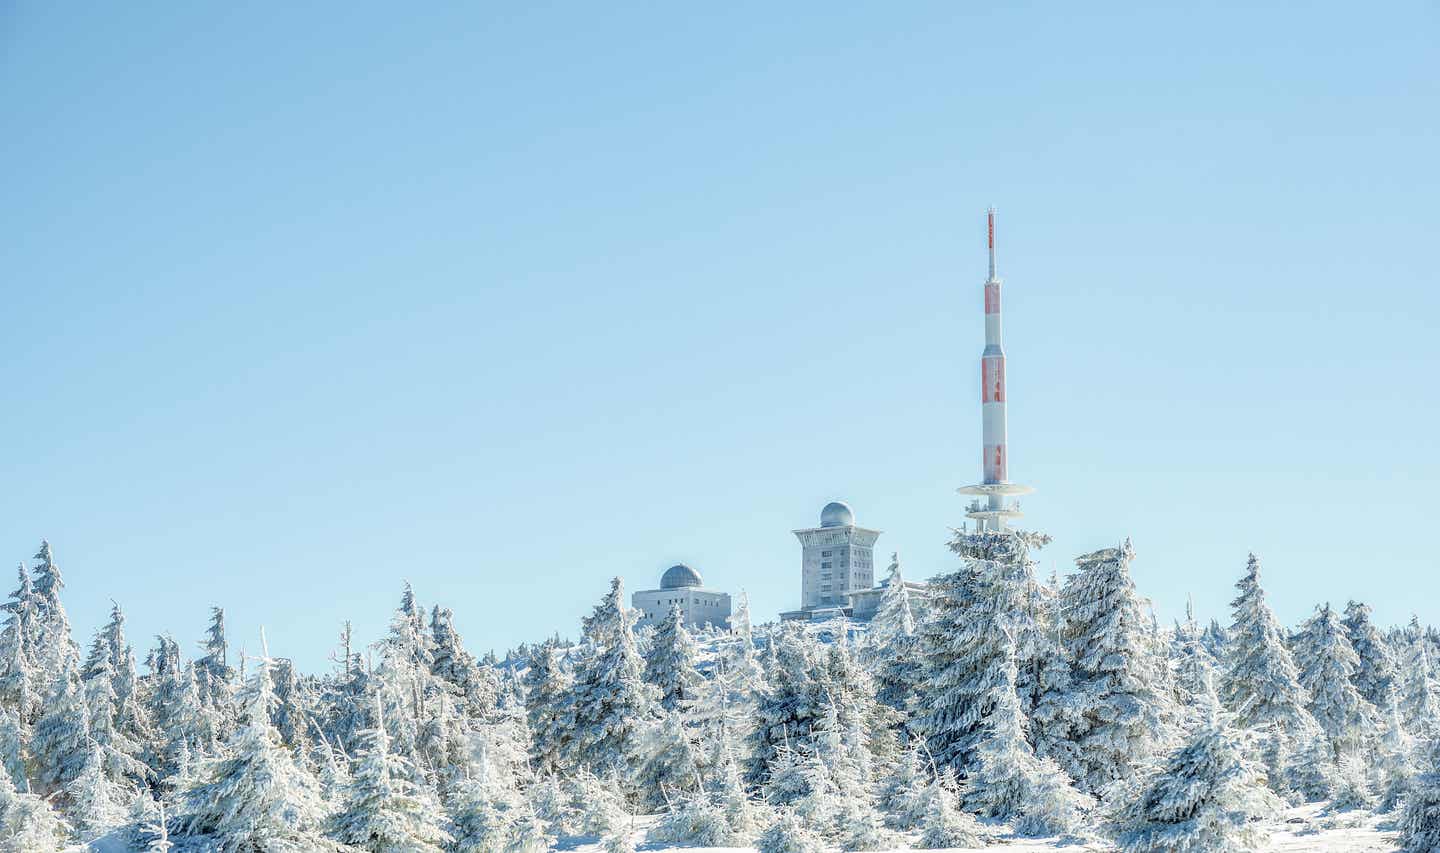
x=510 y=299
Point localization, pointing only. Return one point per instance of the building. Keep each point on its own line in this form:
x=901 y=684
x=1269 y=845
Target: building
x=681 y=586
x=837 y=558
x=864 y=603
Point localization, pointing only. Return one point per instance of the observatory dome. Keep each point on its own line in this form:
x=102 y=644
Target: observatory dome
x=836 y=514
x=679 y=576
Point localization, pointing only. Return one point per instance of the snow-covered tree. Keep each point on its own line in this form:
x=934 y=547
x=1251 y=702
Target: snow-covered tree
x=21 y=674
x=474 y=686
x=1206 y=797
x=670 y=663
x=961 y=649
x=1125 y=712
x=611 y=700
x=1419 y=692
x=1327 y=664
x=1193 y=661
x=944 y=825
x=1008 y=782
x=385 y=810
x=1375 y=673
x=97 y=803
x=1420 y=821
x=547 y=710
x=788 y=834
x=891 y=649
x=60 y=741
x=56 y=651
x=27 y=822
x=1262 y=684
x=670 y=760
x=215 y=678
x=255 y=797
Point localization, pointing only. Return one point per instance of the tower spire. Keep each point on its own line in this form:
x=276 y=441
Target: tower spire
x=995 y=485
x=990 y=221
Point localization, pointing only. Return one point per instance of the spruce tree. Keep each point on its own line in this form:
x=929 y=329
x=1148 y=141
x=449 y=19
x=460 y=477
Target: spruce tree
x=1207 y=797
x=547 y=711
x=56 y=651
x=1125 y=716
x=475 y=686
x=385 y=810
x=670 y=663
x=59 y=742
x=97 y=803
x=611 y=699
x=892 y=648
x=255 y=797
x=1262 y=684
x=21 y=674
x=1327 y=664
x=1420 y=821
x=1419 y=692
x=1375 y=673
x=28 y=823
x=1008 y=782
x=944 y=825
x=961 y=649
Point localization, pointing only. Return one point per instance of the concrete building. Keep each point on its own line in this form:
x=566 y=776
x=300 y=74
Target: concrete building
x=837 y=558
x=682 y=586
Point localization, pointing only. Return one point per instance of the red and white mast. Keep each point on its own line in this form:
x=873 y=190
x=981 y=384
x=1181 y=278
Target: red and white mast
x=995 y=485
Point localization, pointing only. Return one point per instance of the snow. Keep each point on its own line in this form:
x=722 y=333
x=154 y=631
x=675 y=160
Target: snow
x=1305 y=829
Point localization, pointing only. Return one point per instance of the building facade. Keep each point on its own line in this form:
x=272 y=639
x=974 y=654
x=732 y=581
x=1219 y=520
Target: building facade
x=837 y=559
x=681 y=586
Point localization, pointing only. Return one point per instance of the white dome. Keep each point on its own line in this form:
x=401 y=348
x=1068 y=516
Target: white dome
x=836 y=514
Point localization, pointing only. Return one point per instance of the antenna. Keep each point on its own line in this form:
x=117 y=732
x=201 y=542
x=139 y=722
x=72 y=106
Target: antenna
x=990 y=218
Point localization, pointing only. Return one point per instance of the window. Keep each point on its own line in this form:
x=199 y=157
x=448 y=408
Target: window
x=824 y=553
x=825 y=565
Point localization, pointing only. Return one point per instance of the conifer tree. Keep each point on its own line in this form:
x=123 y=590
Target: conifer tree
x=56 y=649
x=475 y=687
x=670 y=761
x=385 y=810
x=1194 y=665
x=1125 y=715
x=1420 y=821
x=1207 y=797
x=892 y=645
x=944 y=824
x=21 y=675
x=255 y=797
x=611 y=699
x=547 y=692
x=215 y=677
x=960 y=645
x=97 y=803
x=1419 y=693
x=670 y=663
x=12 y=746
x=59 y=743
x=1262 y=684
x=1375 y=674
x=27 y=822
x=788 y=834
x=1327 y=664
x=1008 y=782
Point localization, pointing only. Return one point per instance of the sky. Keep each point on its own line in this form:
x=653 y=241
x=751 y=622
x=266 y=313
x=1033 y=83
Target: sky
x=506 y=300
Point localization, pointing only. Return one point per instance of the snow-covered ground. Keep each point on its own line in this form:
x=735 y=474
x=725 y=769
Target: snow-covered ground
x=1306 y=828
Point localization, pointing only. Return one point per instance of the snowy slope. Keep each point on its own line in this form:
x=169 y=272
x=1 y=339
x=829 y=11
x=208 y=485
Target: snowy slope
x=1306 y=829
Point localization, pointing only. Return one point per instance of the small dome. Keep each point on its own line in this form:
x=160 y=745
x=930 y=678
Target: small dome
x=679 y=576
x=836 y=514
